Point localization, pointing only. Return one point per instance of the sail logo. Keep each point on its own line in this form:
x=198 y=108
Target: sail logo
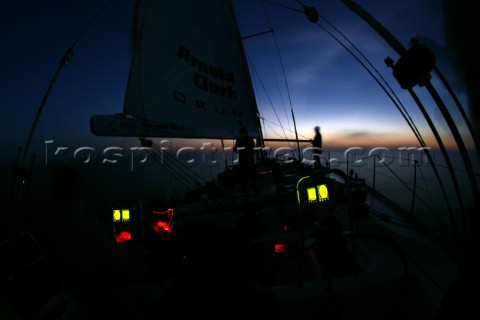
x=208 y=78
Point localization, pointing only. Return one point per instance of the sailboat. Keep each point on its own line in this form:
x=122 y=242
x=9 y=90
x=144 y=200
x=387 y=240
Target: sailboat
x=300 y=243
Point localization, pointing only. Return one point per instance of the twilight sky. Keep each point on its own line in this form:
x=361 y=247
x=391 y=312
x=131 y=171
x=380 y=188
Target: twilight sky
x=327 y=86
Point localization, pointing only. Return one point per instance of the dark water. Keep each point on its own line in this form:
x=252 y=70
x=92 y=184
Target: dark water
x=157 y=179
x=409 y=179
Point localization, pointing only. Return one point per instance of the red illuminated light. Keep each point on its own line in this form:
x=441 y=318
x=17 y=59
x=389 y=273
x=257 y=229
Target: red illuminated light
x=162 y=221
x=160 y=226
x=123 y=236
x=281 y=247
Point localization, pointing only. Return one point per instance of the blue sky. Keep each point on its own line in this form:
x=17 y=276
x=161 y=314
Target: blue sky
x=331 y=89
x=327 y=86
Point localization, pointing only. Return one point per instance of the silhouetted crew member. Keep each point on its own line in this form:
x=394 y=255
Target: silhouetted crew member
x=317 y=147
x=244 y=146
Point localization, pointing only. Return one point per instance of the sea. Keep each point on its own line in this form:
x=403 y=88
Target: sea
x=162 y=176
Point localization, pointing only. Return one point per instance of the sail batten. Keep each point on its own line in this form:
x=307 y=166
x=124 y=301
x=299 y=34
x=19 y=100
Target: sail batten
x=188 y=76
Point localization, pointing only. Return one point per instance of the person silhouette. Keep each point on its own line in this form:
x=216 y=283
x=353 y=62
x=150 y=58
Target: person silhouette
x=245 y=147
x=317 y=147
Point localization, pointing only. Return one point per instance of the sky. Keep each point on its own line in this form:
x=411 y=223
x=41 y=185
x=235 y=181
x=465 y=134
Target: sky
x=327 y=86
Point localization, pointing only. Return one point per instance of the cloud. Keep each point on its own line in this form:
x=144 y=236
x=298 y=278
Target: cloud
x=360 y=133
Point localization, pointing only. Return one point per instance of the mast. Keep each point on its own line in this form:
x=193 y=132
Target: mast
x=296 y=137
x=250 y=87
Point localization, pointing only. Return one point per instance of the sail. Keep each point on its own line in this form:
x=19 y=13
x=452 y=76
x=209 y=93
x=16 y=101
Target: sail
x=189 y=76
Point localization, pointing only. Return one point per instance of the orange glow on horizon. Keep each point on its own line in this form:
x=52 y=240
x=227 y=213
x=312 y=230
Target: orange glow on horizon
x=332 y=140
x=339 y=141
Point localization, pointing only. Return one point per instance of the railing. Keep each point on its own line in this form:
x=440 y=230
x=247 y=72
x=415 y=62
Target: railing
x=427 y=205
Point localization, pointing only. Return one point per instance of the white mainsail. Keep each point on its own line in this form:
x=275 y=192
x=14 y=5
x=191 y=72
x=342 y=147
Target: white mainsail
x=189 y=76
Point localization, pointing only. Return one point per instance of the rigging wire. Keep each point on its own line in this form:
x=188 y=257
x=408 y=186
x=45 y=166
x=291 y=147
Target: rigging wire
x=460 y=108
x=268 y=96
x=21 y=172
x=422 y=268
x=80 y=36
x=281 y=64
x=410 y=124
x=63 y=62
x=284 y=76
x=397 y=178
x=286 y=85
x=401 y=50
x=184 y=174
x=406 y=119
x=406 y=185
x=283 y=128
x=403 y=110
x=278 y=85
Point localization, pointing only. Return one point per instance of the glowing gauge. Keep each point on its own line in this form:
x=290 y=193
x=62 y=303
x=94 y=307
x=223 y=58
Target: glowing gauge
x=323 y=192
x=122 y=215
x=116 y=215
x=125 y=215
x=312 y=195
